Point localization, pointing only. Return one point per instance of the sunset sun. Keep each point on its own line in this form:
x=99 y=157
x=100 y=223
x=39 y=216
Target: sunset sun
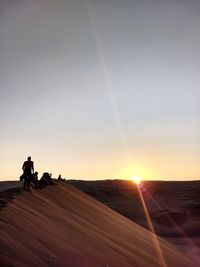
x=136 y=180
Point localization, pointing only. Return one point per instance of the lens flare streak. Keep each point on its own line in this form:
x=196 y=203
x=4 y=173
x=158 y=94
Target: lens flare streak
x=188 y=241
x=107 y=80
x=151 y=228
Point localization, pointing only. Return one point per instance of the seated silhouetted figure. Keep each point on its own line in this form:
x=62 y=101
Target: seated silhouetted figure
x=46 y=179
x=60 y=178
x=34 y=180
x=28 y=169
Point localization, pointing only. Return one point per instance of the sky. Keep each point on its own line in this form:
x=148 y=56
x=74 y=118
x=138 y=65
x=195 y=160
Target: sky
x=100 y=89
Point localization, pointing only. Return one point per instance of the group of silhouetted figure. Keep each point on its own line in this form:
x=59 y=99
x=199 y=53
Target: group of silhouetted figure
x=30 y=177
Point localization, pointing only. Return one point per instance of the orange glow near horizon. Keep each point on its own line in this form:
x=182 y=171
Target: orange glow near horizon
x=135 y=171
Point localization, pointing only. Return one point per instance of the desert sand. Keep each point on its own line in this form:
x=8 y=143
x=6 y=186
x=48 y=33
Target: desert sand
x=62 y=226
x=173 y=206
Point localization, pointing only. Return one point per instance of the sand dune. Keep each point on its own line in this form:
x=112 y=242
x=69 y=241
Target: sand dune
x=174 y=207
x=61 y=226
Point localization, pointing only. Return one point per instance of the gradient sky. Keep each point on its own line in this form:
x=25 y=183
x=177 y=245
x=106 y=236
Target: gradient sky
x=100 y=89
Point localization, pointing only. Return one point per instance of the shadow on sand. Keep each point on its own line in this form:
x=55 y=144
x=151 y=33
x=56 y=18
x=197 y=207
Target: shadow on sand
x=8 y=196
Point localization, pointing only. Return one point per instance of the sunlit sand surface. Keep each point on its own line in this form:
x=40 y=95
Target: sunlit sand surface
x=61 y=226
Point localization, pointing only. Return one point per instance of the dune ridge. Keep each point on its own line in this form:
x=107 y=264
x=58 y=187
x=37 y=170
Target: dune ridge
x=62 y=226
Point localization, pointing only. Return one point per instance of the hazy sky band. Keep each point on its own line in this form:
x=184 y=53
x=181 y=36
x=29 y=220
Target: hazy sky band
x=55 y=104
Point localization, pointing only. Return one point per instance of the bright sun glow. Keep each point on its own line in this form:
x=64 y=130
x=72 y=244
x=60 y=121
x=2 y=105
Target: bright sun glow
x=136 y=179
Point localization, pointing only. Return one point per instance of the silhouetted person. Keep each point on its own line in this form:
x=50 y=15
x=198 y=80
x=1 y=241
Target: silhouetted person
x=28 y=168
x=60 y=178
x=34 y=180
x=46 y=179
x=35 y=176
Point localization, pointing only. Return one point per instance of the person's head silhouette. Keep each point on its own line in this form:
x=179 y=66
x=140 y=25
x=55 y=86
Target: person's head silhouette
x=29 y=158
